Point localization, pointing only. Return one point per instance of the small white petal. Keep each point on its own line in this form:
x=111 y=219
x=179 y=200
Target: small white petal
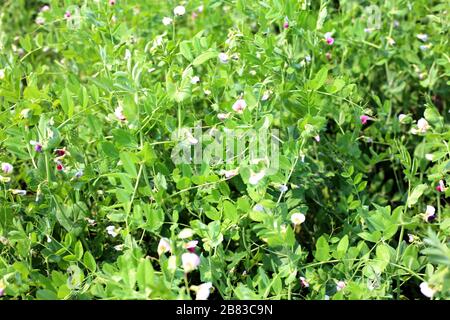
x=239 y=106
x=179 y=11
x=164 y=246
x=166 y=21
x=223 y=57
x=203 y=291
x=186 y=233
x=256 y=177
x=426 y=290
x=298 y=218
x=190 y=261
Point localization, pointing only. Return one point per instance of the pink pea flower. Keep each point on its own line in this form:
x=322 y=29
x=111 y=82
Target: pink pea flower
x=364 y=119
x=61 y=152
x=40 y=20
x=286 y=24
x=340 y=285
x=45 y=8
x=67 y=15
x=37 y=146
x=112 y=2
x=441 y=186
x=7 y=168
x=304 y=283
x=328 y=38
x=59 y=166
x=239 y=106
x=328 y=55
x=119 y=114
x=190 y=261
x=191 y=245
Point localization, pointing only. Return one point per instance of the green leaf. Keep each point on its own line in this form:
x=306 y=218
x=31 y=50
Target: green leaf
x=89 y=261
x=45 y=294
x=319 y=79
x=144 y=275
x=372 y=237
x=416 y=194
x=109 y=149
x=185 y=50
x=78 y=250
x=230 y=211
x=322 y=250
x=341 y=248
x=67 y=103
x=205 y=56
x=124 y=138
x=84 y=97
x=431 y=115
x=128 y=164
x=383 y=256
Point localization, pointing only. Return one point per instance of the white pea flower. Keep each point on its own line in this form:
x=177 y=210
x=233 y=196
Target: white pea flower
x=127 y=54
x=112 y=231
x=119 y=113
x=40 y=20
x=256 y=177
x=172 y=264
x=298 y=218
x=203 y=291
x=164 y=246
x=223 y=57
x=119 y=247
x=195 y=80
x=402 y=117
x=239 y=106
x=426 y=290
x=423 y=125
x=229 y=173
x=283 y=188
x=266 y=95
x=2 y=74
x=390 y=41
x=19 y=192
x=429 y=156
x=422 y=37
x=258 y=207
x=186 y=233
x=190 y=138
x=223 y=116
x=166 y=21
x=190 y=261
x=179 y=10
x=430 y=213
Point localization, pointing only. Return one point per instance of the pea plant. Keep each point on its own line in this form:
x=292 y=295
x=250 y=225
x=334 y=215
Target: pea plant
x=224 y=149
